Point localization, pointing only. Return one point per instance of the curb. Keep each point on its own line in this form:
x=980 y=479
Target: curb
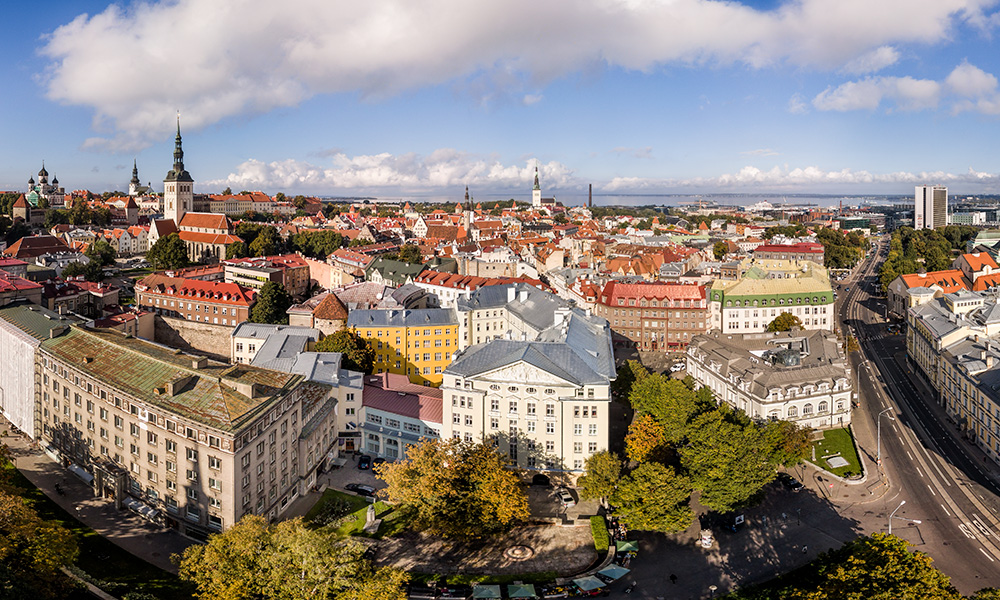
x=861 y=459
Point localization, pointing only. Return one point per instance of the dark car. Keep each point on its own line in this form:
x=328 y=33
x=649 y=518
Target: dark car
x=360 y=489
x=364 y=462
x=789 y=482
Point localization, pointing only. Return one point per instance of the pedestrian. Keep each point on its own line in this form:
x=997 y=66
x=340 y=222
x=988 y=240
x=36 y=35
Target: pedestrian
x=673 y=579
x=805 y=549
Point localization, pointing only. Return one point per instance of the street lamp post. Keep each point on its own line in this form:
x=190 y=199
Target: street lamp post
x=878 y=454
x=893 y=514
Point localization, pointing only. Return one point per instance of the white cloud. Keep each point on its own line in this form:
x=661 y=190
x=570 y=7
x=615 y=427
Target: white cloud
x=446 y=170
x=971 y=81
x=797 y=105
x=645 y=152
x=386 y=173
x=228 y=58
x=804 y=179
x=530 y=99
x=873 y=61
x=967 y=88
x=760 y=152
x=867 y=94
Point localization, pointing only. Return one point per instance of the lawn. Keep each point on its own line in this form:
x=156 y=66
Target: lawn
x=350 y=513
x=100 y=558
x=350 y=502
x=838 y=441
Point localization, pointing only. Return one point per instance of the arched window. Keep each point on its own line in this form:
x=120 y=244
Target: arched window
x=807 y=410
x=822 y=407
x=793 y=411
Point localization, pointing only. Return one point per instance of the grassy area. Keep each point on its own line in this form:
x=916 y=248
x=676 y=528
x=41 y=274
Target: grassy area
x=838 y=441
x=340 y=502
x=599 y=529
x=100 y=558
x=540 y=577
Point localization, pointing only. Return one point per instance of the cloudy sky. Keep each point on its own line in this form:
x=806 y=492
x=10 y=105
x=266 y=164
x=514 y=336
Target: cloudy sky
x=423 y=97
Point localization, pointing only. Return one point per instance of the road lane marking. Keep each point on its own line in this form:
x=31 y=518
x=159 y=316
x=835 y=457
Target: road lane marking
x=911 y=456
x=931 y=489
x=945 y=509
x=986 y=555
x=919 y=472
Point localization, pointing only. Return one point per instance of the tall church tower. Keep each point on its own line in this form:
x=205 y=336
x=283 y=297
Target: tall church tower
x=536 y=192
x=178 y=186
x=134 y=183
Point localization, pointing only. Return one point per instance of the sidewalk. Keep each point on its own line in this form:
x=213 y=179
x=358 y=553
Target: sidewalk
x=126 y=530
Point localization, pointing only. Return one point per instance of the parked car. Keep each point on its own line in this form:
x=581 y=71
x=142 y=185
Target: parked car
x=364 y=462
x=677 y=367
x=565 y=498
x=790 y=483
x=360 y=489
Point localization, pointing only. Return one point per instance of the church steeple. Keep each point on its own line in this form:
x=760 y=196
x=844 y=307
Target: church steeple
x=135 y=173
x=537 y=186
x=536 y=192
x=178 y=186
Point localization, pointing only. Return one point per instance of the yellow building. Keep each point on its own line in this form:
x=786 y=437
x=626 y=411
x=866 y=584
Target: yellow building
x=417 y=343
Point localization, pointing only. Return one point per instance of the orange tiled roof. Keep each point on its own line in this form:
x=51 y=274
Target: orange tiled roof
x=951 y=280
x=209 y=238
x=205 y=221
x=978 y=260
x=215 y=291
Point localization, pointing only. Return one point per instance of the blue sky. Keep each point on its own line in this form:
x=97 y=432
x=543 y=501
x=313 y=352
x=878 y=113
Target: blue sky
x=405 y=97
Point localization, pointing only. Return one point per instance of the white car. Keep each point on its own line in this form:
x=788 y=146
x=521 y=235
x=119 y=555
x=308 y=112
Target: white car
x=565 y=498
x=677 y=367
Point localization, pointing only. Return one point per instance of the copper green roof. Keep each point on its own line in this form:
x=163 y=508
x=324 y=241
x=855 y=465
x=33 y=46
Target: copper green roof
x=34 y=320
x=215 y=394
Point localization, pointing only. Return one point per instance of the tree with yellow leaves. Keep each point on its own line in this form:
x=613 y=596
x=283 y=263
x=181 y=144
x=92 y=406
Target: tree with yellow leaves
x=457 y=489
x=644 y=437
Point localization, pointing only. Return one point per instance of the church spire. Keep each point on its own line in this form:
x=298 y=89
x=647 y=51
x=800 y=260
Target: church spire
x=537 y=186
x=135 y=173
x=178 y=150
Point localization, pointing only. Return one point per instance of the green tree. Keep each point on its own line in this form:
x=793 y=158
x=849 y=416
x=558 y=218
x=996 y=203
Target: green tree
x=92 y=271
x=272 y=304
x=253 y=560
x=604 y=469
x=729 y=458
x=266 y=243
x=79 y=212
x=55 y=217
x=630 y=372
x=169 y=252
x=359 y=242
x=654 y=497
x=32 y=552
x=784 y=322
x=410 y=253
x=358 y=354
x=879 y=567
x=236 y=250
x=720 y=249
x=228 y=191
x=386 y=583
x=457 y=489
x=17 y=231
x=101 y=252
x=668 y=401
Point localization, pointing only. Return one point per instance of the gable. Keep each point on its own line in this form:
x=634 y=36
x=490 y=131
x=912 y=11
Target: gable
x=522 y=373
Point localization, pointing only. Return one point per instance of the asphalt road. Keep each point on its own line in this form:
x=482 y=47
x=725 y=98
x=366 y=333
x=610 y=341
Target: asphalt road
x=944 y=481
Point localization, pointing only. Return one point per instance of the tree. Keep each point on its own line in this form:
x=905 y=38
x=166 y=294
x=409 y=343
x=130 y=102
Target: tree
x=101 y=252
x=654 y=498
x=168 y=252
x=32 y=552
x=879 y=567
x=55 y=217
x=784 y=322
x=236 y=250
x=631 y=372
x=272 y=304
x=386 y=583
x=457 y=489
x=410 y=253
x=17 y=231
x=645 y=436
x=358 y=354
x=253 y=560
x=668 y=401
x=91 y=271
x=720 y=249
x=729 y=458
x=228 y=191
x=266 y=243
x=604 y=469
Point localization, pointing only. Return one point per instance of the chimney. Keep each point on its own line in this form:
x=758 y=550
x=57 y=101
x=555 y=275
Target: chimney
x=522 y=295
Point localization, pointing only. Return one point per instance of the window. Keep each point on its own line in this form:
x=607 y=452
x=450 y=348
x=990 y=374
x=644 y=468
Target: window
x=171 y=446
x=593 y=429
x=592 y=447
x=550 y=428
x=192 y=475
x=550 y=410
x=192 y=493
x=578 y=447
x=215 y=484
x=214 y=463
x=171 y=466
x=494 y=423
x=151 y=458
x=192 y=455
x=577 y=429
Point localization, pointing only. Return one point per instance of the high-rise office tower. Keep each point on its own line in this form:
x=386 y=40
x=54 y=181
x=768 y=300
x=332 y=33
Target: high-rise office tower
x=930 y=207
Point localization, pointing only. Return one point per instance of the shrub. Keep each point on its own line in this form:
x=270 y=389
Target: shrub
x=599 y=529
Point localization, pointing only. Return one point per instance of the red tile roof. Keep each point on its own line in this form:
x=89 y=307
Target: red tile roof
x=986 y=282
x=13 y=283
x=794 y=248
x=614 y=290
x=331 y=309
x=214 y=291
x=395 y=394
x=34 y=246
x=205 y=221
x=209 y=238
x=978 y=260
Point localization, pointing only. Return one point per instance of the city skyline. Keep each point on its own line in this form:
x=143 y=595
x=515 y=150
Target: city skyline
x=331 y=98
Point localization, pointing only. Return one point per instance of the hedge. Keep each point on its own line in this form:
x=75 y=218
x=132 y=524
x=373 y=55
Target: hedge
x=599 y=529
